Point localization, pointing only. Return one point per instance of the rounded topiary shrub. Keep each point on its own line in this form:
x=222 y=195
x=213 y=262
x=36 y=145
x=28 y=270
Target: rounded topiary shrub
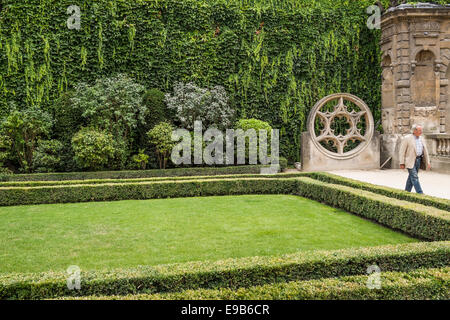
x=257 y=125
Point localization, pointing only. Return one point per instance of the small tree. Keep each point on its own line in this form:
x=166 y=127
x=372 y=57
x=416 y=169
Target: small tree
x=113 y=104
x=141 y=159
x=93 y=148
x=161 y=137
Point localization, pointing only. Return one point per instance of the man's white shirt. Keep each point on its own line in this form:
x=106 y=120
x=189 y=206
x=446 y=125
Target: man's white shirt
x=419 y=146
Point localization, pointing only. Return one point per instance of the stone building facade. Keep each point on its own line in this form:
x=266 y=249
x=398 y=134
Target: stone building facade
x=415 y=65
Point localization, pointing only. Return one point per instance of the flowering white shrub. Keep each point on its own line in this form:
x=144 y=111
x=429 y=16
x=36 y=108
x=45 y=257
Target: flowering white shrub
x=191 y=103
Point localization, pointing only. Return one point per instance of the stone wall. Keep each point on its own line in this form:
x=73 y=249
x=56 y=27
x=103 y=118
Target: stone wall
x=415 y=43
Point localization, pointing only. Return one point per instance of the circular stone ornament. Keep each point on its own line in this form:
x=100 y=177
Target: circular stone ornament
x=327 y=119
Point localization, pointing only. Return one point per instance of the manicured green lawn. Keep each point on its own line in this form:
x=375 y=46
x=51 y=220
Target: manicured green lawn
x=107 y=235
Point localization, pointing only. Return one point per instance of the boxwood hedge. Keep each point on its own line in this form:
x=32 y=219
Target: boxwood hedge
x=415 y=219
x=144 y=190
x=153 y=179
x=412 y=218
x=418 y=284
x=440 y=203
x=230 y=273
x=135 y=174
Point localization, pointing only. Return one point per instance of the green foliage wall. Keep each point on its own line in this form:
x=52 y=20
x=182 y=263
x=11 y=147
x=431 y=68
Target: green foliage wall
x=275 y=58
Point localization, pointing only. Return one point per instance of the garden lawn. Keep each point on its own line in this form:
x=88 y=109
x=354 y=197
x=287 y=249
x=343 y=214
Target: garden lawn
x=104 y=235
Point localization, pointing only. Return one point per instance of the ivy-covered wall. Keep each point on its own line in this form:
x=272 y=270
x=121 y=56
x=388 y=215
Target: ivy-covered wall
x=275 y=58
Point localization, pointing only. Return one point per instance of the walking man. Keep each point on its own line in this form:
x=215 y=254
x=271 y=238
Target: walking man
x=413 y=156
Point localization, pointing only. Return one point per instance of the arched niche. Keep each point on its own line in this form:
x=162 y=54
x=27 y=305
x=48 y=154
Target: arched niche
x=423 y=82
x=387 y=96
x=387 y=87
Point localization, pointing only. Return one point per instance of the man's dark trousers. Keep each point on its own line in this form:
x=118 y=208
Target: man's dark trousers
x=413 y=178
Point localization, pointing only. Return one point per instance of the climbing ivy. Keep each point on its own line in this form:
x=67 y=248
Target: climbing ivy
x=275 y=58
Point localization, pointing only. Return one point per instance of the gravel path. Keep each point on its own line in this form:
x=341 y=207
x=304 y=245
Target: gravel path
x=433 y=183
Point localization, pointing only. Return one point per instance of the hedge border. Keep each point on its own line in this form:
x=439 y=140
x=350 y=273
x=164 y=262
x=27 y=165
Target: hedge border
x=415 y=219
x=433 y=283
x=440 y=203
x=154 y=179
x=144 y=190
x=230 y=273
x=130 y=174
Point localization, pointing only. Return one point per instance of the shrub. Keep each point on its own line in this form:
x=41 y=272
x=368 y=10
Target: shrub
x=420 y=284
x=154 y=101
x=230 y=273
x=68 y=117
x=144 y=190
x=93 y=148
x=283 y=163
x=247 y=124
x=415 y=219
x=220 y=175
x=5 y=173
x=255 y=124
x=47 y=157
x=115 y=105
x=20 y=132
x=140 y=159
x=440 y=203
x=111 y=103
x=68 y=121
x=161 y=137
x=135 y=174
x=191 y=103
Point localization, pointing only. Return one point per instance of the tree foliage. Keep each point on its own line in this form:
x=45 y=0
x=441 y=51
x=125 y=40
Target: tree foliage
x=141 y=159
x=112 y=103
x=154 y=100
x=47 y=157
x=19 y=135
x=93 y=148
x=255 y=124
x=192 y=103
x=161 y=137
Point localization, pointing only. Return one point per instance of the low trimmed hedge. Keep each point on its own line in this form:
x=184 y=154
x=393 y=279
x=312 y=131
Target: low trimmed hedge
x=144 y=190
x=415 y=219
x=230 y=273
x=135 y=174
x=415 y=285
x=418 y=220
x=155 y=179
x=440 y=203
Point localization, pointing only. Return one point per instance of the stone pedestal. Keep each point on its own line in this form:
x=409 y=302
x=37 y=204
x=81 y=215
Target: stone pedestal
x=314 y=160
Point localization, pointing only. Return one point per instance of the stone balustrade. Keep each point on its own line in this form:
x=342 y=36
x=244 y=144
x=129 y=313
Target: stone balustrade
x=440 y=144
